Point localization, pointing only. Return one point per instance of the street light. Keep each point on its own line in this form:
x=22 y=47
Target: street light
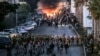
x=16 y=11
x=16 y=17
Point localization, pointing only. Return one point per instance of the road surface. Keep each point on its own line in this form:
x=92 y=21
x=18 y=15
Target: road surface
x=51 y=30
x=48 y=30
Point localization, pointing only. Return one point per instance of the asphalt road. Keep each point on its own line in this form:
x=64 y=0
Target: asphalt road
x=51 y=30
x=72 y=51
x=48 y=30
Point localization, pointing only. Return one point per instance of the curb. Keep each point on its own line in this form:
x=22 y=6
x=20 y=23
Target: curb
x=74 y=30
x=84 y=50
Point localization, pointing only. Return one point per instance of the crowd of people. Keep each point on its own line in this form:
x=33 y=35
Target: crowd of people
x=43 y=45
x=37 y=46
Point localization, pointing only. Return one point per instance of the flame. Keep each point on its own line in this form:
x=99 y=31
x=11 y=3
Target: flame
x=51 y=12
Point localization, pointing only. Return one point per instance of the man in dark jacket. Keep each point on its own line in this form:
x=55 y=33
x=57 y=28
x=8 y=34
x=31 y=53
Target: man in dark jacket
x=66 y=47
x=9 y=50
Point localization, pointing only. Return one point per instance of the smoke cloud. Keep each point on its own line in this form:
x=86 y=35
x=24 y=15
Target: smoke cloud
x=49 y=4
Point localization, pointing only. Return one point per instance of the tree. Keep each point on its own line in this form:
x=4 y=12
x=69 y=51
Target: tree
x=24 y=8
x=23 y=12
x=79 y=9
x=79 y=2
x=94 y=7
x=6 y=8
x=33 y=4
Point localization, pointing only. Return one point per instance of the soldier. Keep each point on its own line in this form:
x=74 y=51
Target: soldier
x=17 y=45
x=25 y=46
x=22 y=50
x=66 y=46
x=77 y=40
x=80 y=41
x=9 y=50
x=72 y=39
x=30 y=48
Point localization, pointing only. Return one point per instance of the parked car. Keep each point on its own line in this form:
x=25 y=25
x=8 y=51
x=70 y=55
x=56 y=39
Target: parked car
x=29 y=27
x=4 y=33
x=33 y=23
x=21 y=30
x=13 y=32
x=5 y=40
x=10 y=30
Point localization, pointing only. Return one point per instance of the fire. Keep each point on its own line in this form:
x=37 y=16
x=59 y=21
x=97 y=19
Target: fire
x=50 y=12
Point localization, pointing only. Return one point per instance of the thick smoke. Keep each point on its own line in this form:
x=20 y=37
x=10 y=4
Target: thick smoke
x=50 y=4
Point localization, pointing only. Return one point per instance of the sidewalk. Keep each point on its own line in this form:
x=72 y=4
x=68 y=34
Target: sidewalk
x=75 y=51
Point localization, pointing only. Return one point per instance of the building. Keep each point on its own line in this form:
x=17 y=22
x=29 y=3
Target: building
x=72 y=6
x=83 y=15
x=87 y=19
x=77 y=11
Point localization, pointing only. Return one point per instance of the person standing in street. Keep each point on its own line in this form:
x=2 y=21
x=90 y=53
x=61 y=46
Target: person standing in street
x=22 y=50
x=66 y=47
x=30 y=47
x=9 y=50
x=25 y=46
x=17 y=45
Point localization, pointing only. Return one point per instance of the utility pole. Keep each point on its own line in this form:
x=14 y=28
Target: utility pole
x=16 y=13
x=16 y=17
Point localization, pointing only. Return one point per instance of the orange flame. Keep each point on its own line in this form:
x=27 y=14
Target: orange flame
x=50 y=12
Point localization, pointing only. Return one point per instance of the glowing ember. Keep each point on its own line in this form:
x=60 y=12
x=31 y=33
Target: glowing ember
x=49 y=10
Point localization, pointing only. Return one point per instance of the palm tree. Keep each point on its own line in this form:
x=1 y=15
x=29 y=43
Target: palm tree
x=79 y=2
x=94 y=7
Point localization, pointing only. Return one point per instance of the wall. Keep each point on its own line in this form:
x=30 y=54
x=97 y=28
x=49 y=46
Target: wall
x=87 y=22
x=72 y=6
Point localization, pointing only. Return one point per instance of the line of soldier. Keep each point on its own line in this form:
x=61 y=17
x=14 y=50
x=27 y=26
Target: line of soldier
x=40 y=46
